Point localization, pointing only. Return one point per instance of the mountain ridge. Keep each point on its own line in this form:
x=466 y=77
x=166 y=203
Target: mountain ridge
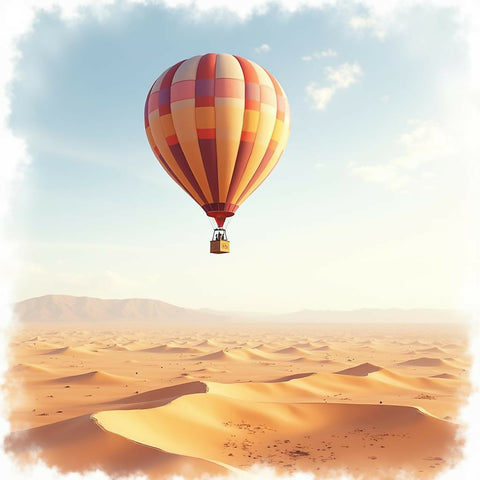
x=83 y=309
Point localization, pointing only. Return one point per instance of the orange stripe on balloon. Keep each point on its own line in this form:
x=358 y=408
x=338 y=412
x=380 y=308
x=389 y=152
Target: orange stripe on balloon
x=252 y=104
x=248 y=136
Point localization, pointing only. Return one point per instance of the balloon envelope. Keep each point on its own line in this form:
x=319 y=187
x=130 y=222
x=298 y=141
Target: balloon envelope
x=218 y=125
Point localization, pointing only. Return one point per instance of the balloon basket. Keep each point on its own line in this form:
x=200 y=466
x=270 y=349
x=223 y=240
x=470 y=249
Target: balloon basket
x=219 y=246
x=219 y=242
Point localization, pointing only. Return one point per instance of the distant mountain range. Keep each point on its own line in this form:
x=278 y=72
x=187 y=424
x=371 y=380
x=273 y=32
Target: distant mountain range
x=72 y=309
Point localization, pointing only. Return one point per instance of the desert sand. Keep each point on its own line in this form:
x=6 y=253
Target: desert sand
x=373 y=400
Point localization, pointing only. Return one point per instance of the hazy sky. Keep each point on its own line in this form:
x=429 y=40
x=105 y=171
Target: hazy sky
x=370 y=205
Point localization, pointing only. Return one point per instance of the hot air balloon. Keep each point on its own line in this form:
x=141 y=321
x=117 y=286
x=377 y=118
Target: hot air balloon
x=218 y=124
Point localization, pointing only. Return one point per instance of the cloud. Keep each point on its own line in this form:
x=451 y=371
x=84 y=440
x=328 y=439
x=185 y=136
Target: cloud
x=386 y=174
x=319 y=96
x=369 y=23
x=318 y=55
x=344 y=75
x=424 y=144
x=338 y=77
x=263 y=48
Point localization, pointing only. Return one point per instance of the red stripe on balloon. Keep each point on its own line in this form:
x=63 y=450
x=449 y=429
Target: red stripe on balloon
x=208 y=150
x=206 y=132
x=205 y=97
x=206 y=66
x=172 y=139
x=205 y=101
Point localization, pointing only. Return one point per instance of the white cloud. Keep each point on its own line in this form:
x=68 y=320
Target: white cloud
x=368 y=23
x=319 y=96
x=424 y=144
x=263 y=48
x=386 y=174
x=338 y=77
x=344 y=75
x=329 y=52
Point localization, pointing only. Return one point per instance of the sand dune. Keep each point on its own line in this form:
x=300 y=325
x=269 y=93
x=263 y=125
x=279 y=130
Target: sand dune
x=292 y=351
x=161 y=396
x=424 y=362
x=306 y=345
x=218 y=355
x=446 y=375
x=20 y=368
x=94 y=377
x=292 y=377
x=300 y=360
x=211 y=370
x=268 y=347
x=170 y=349
x=69 y=351
x=413 y=383
x=68 y=444
x=250 y=354
x=360 y=370
x=432 y=350
x=207 y=343
x=116 y=347
x=238 y=354
x=240 y=433
x=452 y=346
x=39 y=346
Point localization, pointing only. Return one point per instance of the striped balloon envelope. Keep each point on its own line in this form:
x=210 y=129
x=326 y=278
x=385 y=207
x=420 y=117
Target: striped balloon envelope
x=218 y=124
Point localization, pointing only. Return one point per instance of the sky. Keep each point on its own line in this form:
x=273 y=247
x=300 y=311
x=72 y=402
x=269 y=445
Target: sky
x=370 y=205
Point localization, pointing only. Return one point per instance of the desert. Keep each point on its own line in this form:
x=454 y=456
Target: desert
x=191 y=398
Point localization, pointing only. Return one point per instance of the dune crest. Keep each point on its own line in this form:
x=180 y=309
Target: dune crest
x=361 y=370
x=171 y=349
x=93 y=377
x=425 y=362
x=69 y=351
